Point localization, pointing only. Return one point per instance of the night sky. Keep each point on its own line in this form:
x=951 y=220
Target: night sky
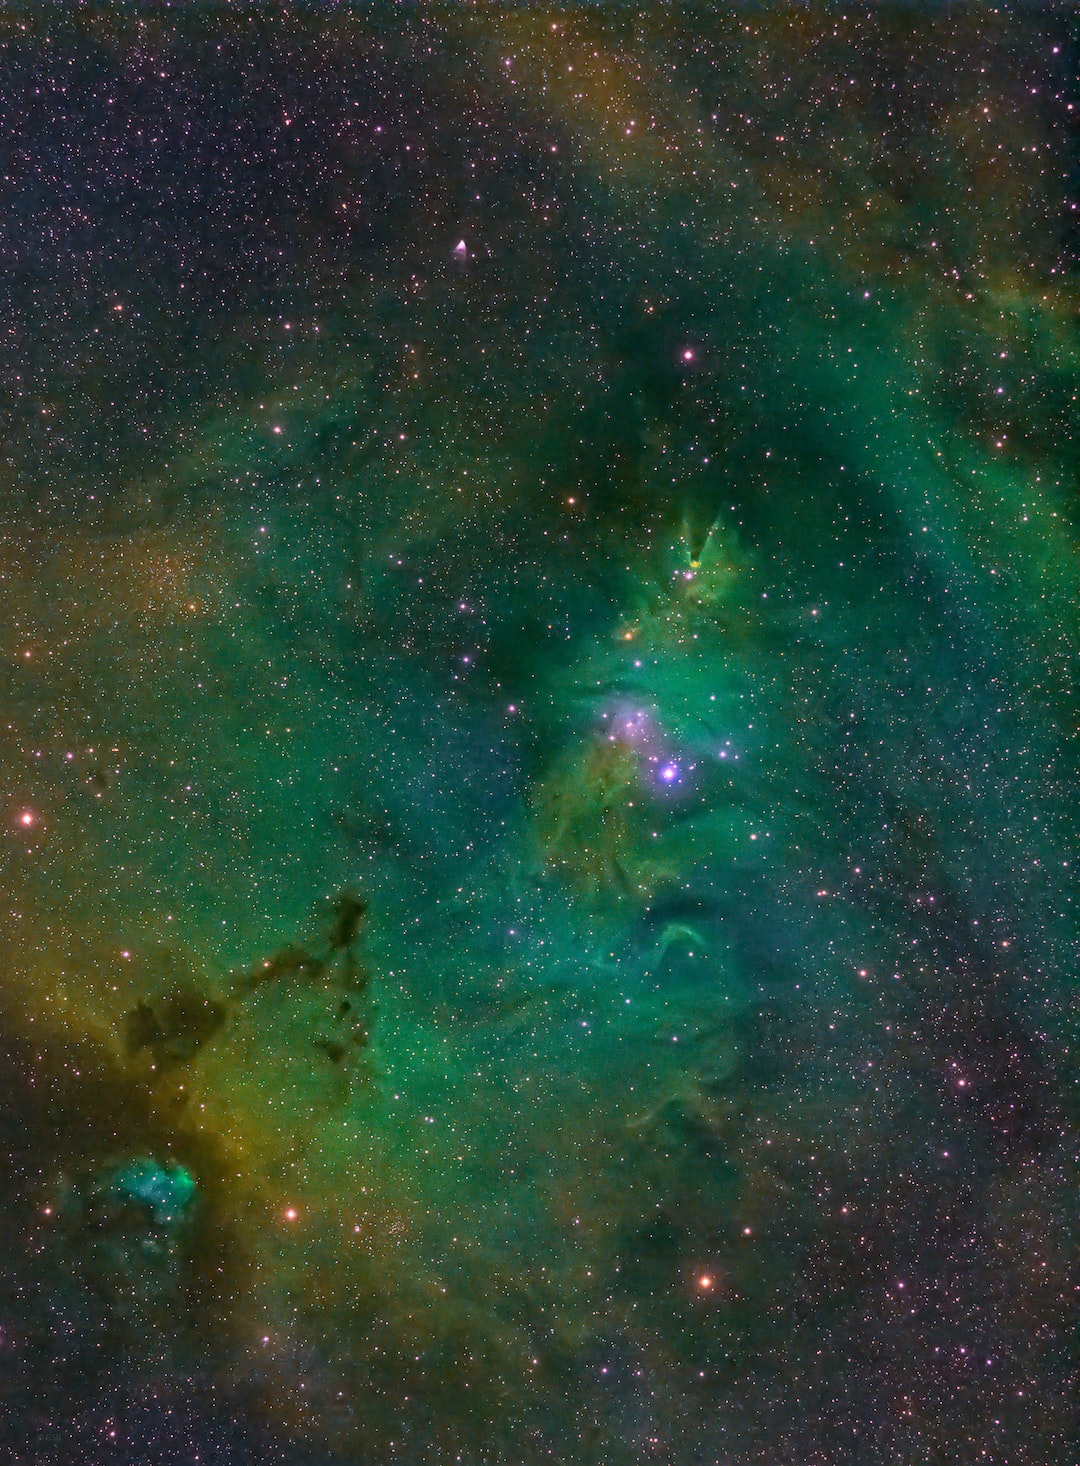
x=540 y=673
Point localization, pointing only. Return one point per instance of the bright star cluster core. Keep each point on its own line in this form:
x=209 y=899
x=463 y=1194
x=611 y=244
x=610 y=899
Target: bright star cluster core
x=538 y=743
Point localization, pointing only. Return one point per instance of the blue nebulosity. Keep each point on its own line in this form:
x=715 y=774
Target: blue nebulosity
x=166 y=1192
x=539 y=740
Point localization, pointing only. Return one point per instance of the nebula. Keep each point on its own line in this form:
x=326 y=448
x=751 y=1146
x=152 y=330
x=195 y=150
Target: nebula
x=539 y=742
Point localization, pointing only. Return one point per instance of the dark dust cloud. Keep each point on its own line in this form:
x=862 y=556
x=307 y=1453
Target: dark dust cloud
x=538 y=746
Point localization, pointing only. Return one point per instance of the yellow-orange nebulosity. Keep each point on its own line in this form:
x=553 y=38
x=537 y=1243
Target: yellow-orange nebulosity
x=588 y=823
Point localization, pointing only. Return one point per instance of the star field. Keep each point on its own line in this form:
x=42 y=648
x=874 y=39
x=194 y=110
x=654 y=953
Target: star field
x=538 y=748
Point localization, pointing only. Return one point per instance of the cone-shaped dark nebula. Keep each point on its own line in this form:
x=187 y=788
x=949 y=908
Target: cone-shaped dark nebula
x=538 y=747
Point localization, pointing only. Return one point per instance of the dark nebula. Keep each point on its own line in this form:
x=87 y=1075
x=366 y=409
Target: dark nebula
x=538 y=767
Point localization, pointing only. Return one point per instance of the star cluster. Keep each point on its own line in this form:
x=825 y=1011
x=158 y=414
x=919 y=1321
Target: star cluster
x=538 y=751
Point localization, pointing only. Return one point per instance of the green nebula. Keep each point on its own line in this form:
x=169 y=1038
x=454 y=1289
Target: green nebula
x=539 y=780
x=165 y=1191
